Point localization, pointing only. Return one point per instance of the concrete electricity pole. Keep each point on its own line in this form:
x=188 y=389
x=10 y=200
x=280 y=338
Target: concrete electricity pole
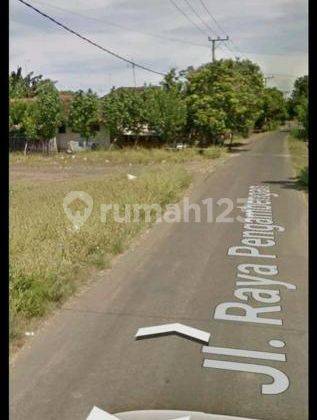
x=134 y=77
x=213 y=41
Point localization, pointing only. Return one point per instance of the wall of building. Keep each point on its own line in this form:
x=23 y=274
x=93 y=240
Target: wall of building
x=68 y=140
x=63 y=139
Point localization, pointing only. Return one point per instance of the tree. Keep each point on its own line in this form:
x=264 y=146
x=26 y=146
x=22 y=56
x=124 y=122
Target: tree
x=47 y=112
x=17 y=112
x=173 y=81
x=300 y=90
x=84 y=114
x=166 y=112
x=273 y=109
x=37 y=118
x=124 y=110
x=224 y=95
x=29 y=125
x=24 y=87
x=302 y=115
x=159 y=109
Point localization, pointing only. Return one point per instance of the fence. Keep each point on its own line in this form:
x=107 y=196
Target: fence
x=17 y=143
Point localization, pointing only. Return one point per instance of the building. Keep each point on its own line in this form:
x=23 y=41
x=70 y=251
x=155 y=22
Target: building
x=69 y=141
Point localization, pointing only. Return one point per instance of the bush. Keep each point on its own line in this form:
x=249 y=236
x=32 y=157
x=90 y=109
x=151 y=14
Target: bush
x=299 y=133
x=303 y=177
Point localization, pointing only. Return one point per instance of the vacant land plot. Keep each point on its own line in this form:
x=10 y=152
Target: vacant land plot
x=48 y=257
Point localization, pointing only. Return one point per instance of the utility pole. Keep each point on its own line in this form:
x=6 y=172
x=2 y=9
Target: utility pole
x=213 y=41
x=133 y=71
x=134 y=78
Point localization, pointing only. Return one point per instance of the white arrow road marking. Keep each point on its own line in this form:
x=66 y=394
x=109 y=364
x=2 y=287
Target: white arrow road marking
x=97 y=414
x=181 y=329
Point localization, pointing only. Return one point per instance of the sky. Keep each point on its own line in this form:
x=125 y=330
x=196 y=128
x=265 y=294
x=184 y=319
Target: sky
x=272 y=33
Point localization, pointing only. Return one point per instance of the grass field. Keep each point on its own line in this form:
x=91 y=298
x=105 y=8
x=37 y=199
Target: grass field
x=128 y=155
x=299 y=151
x=48 y=258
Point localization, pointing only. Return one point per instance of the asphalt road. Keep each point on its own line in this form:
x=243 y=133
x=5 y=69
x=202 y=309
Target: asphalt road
x=87 y=355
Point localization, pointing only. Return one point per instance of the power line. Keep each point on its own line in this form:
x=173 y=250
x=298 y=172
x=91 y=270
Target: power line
x=212 y=17
x=116 y=25
x=221 y=29
x=91 y=42
x=209 y=28
x=190 y=20
x=187 y=17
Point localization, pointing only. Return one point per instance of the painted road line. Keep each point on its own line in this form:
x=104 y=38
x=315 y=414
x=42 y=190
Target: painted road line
x=176 y=328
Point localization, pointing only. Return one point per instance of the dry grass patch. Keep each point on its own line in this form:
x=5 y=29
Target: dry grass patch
x=47 y=256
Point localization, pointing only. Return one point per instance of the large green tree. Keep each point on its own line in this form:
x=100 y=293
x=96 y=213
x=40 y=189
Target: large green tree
x=47 y=111
x=224 y=95
x=300 y=91
x=37 y=118
x=166 y=112
x=160 y=109
x=84 y=114
x=24 y=86
x=124 y=110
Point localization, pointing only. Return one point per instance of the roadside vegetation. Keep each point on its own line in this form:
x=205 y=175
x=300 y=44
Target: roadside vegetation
x=299 y=151
x=298 y=140
x=48 y=259
x=199 y=107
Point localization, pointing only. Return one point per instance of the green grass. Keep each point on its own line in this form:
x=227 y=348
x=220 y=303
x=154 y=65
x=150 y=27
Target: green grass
x=48 y=259
x=299 y=151
x=121 y=156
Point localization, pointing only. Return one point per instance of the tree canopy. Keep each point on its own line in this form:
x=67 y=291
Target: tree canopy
x=300 y=91
x=224 y=95
x=84 y=113
x=273 y=109
x=124 y=110
x=298 y=104
x=24 y=86
x=166 y=112
x=193 y=104
x=37 y=118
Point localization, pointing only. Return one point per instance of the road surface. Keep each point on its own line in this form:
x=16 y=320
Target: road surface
x=179 y=273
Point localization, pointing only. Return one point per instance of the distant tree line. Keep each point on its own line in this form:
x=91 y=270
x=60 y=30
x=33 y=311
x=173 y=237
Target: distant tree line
x=193 y=105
